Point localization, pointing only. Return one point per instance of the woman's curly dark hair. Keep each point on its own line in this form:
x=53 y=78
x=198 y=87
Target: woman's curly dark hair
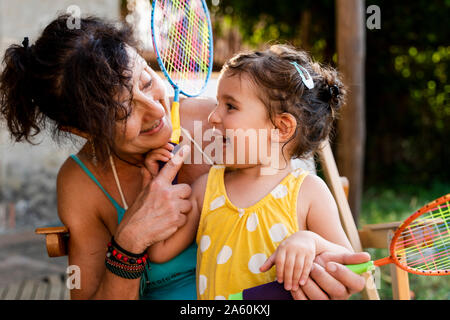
x=281 y=89
x=71 y=76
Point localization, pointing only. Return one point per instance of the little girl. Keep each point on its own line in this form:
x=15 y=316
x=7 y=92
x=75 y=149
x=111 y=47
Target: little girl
x=246 y=221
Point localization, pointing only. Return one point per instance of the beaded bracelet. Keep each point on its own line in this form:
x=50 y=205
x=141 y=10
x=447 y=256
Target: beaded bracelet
x=120 y=271
x=114 y=244
x=130 y=267
x=124 y=263
x=122 y=255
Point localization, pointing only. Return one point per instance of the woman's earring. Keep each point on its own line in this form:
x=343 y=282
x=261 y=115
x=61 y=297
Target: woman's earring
x=94 y=156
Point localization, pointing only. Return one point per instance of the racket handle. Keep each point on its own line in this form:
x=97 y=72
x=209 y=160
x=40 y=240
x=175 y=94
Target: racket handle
x=176 y=125
x=362 y=267
x=269 y=291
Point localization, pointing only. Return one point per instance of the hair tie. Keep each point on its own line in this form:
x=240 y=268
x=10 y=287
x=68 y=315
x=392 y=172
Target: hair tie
x=25 y=43
x=334 y=91
x=307 y=81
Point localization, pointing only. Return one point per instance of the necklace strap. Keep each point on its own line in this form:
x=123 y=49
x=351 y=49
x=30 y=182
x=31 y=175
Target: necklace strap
x=116 y=177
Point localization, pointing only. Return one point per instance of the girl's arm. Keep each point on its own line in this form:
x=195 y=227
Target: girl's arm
x=166 y=250
x=322 y=216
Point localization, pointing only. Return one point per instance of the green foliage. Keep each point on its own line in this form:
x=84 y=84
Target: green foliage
x=263 y=21
x=407 y=87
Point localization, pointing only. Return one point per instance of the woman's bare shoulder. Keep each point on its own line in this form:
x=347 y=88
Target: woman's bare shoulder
x=76 y=193
x=70 y=176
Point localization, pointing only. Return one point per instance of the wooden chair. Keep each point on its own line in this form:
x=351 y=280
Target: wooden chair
x=370 y=236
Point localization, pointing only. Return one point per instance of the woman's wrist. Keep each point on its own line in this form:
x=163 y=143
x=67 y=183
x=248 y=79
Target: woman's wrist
x=128 y=241
x=123 y=263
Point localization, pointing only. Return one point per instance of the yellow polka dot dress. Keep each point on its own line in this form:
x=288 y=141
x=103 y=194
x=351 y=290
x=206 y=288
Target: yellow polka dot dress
x=234 y=242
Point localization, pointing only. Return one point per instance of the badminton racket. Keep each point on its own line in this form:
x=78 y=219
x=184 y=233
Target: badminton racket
x=183 y=43
x=421 y=244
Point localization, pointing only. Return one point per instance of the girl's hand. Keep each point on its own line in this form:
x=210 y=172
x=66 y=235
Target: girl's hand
x=293 y=259
x=163 y=153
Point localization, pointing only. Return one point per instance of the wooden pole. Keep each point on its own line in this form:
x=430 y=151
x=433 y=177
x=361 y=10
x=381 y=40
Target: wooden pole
x=351 y=128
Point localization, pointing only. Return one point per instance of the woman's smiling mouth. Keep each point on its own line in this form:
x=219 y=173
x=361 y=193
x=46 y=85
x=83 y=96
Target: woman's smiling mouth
x=154 y=128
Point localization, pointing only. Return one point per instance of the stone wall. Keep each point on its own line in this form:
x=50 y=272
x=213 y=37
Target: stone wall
x=27 y=18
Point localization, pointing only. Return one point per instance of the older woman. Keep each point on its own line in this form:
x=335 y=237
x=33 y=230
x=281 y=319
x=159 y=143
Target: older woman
x=92 y=82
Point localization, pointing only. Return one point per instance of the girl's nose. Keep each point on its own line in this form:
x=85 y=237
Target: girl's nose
x=214 y=117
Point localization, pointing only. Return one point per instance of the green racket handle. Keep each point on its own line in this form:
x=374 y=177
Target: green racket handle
x=236 y=296
x=362 y=267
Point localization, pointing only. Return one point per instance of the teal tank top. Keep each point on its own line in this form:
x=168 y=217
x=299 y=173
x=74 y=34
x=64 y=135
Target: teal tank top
x=172 y=280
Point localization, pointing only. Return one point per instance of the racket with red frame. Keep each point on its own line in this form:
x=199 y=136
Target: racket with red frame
x=421 y=244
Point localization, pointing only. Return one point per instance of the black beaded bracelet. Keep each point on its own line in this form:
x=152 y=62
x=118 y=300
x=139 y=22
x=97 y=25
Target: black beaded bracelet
x=123 y=263
x=134 y=255
x=114 y=250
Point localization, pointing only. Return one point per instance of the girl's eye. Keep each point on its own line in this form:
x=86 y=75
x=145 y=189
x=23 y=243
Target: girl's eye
x=230 y=107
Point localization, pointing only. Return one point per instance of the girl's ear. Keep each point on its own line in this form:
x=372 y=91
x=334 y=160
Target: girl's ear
x=286 y=125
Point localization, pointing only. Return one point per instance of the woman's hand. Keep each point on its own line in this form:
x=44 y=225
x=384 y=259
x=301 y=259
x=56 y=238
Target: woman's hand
x=159 y=209
x=293 y=259
x=330 y=279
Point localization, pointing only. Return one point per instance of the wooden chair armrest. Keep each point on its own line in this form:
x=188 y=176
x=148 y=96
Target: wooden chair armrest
x=377 y=235
x=55 y=239
x=51 y=230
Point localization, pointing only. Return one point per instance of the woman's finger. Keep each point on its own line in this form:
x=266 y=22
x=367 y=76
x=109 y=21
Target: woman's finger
x=312 y=291
x=183 y=190
x=298 y=294
x=184 y=206
x=333 y=288
x=352 y=281
x=342 y=258
x=171 y=168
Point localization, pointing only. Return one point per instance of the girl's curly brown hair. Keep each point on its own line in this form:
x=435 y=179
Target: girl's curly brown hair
x=71 y=77
x=281 y=89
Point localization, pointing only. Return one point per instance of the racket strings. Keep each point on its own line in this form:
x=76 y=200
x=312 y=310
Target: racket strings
x=423 y=244
x=184 y=42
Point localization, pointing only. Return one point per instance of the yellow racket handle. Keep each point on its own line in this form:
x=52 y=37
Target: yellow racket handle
x=176 y=126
